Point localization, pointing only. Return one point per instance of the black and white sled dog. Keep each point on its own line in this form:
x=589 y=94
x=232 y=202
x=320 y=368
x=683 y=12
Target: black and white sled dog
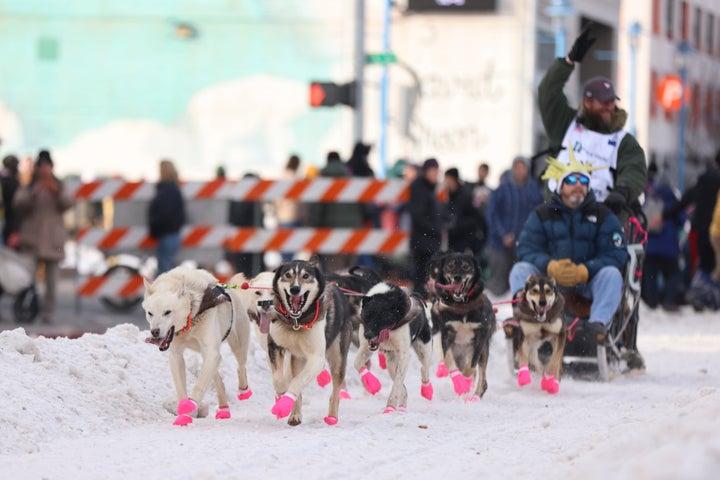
x=354 y=282
x=465 y=319
x=539 y=313
x=395 y=322
x=186 y=308
x=311 y=324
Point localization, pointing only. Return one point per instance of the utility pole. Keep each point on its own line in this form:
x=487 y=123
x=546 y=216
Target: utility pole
x=359 y=70
x=384 y=85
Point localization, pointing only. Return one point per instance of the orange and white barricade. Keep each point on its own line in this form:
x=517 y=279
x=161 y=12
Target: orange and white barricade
x=323 y=241
x=363 y=190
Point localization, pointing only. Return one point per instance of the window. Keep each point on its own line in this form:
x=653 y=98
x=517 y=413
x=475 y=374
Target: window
x=710 y=32
x=708 y=113
x=669 y=18
x=684 y=20
x=656 y=17
x=695 y=106
x=653 y=93
x=697 y=28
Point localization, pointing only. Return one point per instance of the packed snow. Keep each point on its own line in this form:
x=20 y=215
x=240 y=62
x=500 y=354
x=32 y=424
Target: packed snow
x=92 y=408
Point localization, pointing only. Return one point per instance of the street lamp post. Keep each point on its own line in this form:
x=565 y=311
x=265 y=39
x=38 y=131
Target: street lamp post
x=558 y=10
x=634 y=37
x=684 y=49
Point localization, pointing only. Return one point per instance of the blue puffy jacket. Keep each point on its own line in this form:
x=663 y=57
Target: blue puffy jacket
x=590 y=234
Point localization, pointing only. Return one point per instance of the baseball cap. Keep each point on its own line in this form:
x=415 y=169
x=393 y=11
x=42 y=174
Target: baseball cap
x=599 y=88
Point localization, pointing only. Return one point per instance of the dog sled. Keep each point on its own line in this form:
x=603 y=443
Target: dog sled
x=585 y=355
x=17 y=278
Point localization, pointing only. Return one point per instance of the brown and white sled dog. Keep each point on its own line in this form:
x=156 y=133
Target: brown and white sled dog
x=258 y=300
x=395 y=322
x=466 y=321
x=187 y=309
x=539 y=313
x=312 y=324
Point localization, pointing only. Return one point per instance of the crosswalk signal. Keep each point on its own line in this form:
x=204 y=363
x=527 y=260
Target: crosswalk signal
x=329 y=94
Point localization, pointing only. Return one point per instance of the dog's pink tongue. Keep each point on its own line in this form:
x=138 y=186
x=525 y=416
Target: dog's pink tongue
x=264 y=323
x=384 y=335
x=153 y=340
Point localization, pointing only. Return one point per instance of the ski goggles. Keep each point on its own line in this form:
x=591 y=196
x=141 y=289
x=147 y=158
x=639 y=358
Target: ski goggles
x=574 y=179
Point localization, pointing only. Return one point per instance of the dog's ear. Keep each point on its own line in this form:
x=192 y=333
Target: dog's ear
x=314 y=260
x=147 y=283
x=552 y=281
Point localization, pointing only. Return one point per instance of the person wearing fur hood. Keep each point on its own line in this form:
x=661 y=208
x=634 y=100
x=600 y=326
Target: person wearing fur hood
x=595 y=130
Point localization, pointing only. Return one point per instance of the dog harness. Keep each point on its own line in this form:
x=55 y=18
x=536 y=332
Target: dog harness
x=297 y=326
x=211 y=298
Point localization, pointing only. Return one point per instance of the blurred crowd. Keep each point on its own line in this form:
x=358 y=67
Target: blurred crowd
x=445 y=212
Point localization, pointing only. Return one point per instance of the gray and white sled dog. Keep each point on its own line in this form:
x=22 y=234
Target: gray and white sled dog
x=186 y=308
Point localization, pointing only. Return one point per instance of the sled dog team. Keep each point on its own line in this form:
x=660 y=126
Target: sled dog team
x=306 y=320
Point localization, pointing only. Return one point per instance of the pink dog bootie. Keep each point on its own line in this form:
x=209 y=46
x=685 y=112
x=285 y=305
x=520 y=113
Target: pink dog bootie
x=442 y=370
x=330 y=420
x=323 y=378
x=426 y=390
x=344 y=395
x=459 y=383
x=382 y=361
x=372 y=384
x=549 y=384
x=244 y=393
x=185 y=407
x=524 y=376
x=284 y=405
x=223 y=413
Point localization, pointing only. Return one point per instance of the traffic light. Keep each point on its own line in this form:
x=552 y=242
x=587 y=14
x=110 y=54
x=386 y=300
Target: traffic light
x=329 y=94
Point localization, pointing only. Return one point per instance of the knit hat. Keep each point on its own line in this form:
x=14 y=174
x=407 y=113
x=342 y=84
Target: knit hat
x=557 y=172
x=43 y=157
x=430 y=163
x=599 y=88
x=453 y=172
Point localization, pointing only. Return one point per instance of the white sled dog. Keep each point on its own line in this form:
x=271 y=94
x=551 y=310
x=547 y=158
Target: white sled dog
x=187 y=308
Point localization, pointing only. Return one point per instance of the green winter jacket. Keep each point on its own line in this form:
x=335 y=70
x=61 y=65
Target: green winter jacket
x=557 y=116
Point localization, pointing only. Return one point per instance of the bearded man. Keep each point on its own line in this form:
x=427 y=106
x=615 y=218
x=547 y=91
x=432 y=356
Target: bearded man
x=577 y=241
x=594 y=132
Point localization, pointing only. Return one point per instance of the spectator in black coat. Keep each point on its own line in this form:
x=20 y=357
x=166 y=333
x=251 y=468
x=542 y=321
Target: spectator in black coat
x=460 y=216
x=166 y=216
x=9 y=183
x=426 y=222
x=246 y=214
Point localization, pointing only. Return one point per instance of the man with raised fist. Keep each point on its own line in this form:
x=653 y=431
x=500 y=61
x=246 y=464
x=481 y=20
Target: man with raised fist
x=595 y=131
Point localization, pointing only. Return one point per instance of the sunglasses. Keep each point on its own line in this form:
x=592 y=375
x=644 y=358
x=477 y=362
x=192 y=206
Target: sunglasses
x=572 y=180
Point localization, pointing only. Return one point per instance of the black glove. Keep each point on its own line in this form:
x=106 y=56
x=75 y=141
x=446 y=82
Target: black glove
x=617 y=199
x=581 y=46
